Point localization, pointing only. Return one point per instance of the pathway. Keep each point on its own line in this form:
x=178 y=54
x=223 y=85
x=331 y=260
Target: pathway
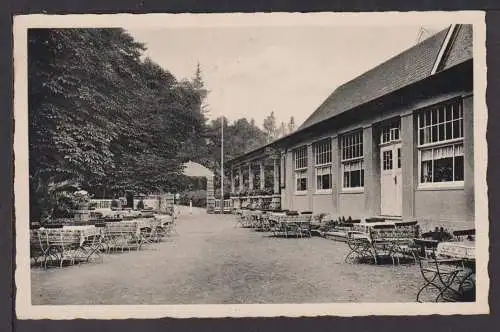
x=211 y=261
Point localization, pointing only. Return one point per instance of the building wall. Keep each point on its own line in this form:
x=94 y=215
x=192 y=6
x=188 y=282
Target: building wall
x=442 y=207
x=323 y=203
x=351 y=204
x=300 y=203
x=434 y=206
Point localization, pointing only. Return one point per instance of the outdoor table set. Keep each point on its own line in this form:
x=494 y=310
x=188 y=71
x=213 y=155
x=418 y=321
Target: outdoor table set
x=279 y=223
x=448 y=269
x=133 y=234
x=248 y=218
x=451 y=273
x=282 y=224
x=67 y=244
x=375 y=241
x=75 y=244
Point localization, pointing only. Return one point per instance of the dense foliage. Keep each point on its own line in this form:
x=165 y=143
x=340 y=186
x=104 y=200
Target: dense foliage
x=101 y=118
x=104 y=119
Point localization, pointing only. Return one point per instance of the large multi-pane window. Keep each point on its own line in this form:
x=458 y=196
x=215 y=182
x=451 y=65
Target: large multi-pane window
x=441 y=148
x=300 y=167
x=323 y=165
x=352 y=160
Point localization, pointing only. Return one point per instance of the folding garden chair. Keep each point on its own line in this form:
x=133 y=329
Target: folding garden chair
x=124 y=236
x=64 y=246
x=448 y=279
x=92 y=247
x=360 y=247
x=383 y=239
x=405 y=234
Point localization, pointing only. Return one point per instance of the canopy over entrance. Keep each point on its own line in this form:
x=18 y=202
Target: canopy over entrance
x=193 y=169
x=196 y=170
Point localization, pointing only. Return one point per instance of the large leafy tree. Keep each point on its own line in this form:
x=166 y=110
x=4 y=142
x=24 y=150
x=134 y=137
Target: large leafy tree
x=105 y=120
x=77 y=103
x=101 y=118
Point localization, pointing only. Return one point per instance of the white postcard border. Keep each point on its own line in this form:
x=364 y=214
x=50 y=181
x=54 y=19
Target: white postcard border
x=24 y=309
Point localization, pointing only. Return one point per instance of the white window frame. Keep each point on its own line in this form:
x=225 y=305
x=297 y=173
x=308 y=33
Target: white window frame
x=300 y=162
x=390 y=134
x=323 y=160
x=300 y=174
x=354 y=140
x=452 y=142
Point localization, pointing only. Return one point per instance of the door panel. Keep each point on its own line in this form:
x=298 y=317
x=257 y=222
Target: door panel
x=399 y=182
x=390 y=180
x=387 y=181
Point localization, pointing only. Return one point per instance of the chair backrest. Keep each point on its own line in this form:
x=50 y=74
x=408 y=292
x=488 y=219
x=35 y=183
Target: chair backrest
x=298 y=217
x=61 y=237
x=114 y=228
x=406 y=223
x=407 y=231
x=374 y=219
x=383 y=232
x=463 y=234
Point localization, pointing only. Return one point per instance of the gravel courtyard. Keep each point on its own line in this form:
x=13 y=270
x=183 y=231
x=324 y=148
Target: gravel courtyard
x=211 y=261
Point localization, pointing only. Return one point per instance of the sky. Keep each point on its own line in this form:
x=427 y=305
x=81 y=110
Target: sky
x=291 y=70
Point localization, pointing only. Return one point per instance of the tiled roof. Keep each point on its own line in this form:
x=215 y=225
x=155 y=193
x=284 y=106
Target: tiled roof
x=404 y=69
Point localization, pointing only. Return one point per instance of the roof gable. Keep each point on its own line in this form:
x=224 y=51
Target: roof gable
x=404 y=69
x=460 y=48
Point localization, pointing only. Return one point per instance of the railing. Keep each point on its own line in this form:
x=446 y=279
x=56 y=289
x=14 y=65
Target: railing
x=101 y=203
x=156 y=202
x=272 y=202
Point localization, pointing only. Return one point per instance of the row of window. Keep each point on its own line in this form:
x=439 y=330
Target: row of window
x=440 y=148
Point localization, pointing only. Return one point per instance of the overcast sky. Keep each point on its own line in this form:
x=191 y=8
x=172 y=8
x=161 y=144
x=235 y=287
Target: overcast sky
x=289 y=70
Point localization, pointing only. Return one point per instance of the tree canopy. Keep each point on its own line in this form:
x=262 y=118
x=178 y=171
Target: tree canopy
x=104 y=118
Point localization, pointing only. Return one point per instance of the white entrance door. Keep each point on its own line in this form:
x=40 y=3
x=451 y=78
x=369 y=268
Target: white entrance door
x=390 y=180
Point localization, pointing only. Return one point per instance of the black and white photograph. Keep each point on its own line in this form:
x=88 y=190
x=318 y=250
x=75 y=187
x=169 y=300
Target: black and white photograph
x=230 y=165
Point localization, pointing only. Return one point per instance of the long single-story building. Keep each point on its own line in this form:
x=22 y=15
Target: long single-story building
x=396 y=141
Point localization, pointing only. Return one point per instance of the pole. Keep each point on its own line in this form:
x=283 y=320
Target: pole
x=222 y=166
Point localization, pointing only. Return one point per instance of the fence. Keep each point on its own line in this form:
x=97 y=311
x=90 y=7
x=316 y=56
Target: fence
x=156 y=202
x=227 y=205
x=101 y=203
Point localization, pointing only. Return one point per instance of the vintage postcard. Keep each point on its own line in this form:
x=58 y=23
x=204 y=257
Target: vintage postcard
x=244 y=165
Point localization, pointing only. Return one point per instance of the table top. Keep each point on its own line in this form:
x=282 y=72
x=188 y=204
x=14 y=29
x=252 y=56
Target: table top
x=288 y=221
x=426 y=241
x=77 y=228
x=81 y=233
x=163 y=218
x=365 y=226
x=459 y=249
x=283 y=218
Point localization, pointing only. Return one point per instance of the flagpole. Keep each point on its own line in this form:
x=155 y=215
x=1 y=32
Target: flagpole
x=222 y=166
